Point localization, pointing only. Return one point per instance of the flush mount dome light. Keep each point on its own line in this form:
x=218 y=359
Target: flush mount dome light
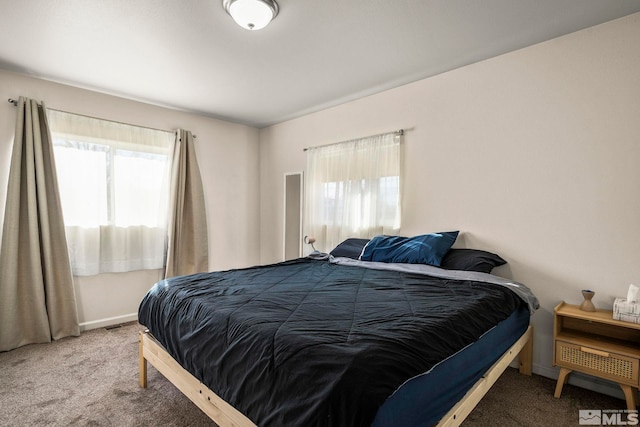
x=251 y=14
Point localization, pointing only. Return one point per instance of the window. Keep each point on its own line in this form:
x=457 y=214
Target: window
x=114 y=183
x=363 y=213
x=353 y=189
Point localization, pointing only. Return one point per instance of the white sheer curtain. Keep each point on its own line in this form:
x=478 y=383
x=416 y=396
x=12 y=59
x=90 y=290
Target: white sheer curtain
x=114 y=187
x=353 y=190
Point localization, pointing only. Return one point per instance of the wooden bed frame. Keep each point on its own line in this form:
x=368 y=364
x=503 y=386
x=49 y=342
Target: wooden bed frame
x=226 y=415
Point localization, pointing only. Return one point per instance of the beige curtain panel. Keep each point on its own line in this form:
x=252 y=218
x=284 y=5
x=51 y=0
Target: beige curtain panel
x=187 y=247
x=37 y=298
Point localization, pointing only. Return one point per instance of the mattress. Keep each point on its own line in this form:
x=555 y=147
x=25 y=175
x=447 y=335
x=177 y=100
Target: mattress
x=423 y=400
x=317 y=342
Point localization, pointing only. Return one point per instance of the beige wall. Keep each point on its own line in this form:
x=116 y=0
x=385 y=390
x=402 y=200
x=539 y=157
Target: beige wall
x=228 y=159
x=534 y=154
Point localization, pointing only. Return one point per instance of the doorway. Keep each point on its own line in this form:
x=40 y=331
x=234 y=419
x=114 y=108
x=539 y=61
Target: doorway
x=292 y=215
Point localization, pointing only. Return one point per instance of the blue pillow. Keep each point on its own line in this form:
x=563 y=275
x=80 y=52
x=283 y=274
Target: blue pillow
x=424 y=249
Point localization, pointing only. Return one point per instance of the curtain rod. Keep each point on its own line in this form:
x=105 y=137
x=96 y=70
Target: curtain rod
x=397 y=132
x=15 y=104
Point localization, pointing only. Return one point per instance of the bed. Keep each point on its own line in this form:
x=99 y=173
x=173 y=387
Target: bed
x=335 y=340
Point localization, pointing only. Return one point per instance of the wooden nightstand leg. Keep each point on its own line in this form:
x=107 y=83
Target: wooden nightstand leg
x=562 y=380
x=631 y=396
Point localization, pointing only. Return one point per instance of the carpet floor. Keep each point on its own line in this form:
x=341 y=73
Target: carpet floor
x=92 y=380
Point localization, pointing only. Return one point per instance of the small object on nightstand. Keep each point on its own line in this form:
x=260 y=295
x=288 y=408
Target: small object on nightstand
x=310 y=241
x=587 y=305
x=627 y=310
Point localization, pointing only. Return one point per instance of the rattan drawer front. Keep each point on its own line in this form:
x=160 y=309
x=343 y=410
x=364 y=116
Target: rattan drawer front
x=604 y=364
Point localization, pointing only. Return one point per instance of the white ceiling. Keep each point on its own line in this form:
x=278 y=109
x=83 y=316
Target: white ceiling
x=190 y=55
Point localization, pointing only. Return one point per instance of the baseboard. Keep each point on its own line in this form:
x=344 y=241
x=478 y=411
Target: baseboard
x=583 y=381
x=101 y=323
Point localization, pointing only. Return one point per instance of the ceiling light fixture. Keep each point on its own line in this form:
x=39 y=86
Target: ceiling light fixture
x=251 y=14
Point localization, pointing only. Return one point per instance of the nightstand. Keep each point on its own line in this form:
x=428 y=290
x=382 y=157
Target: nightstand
x=594 y=343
